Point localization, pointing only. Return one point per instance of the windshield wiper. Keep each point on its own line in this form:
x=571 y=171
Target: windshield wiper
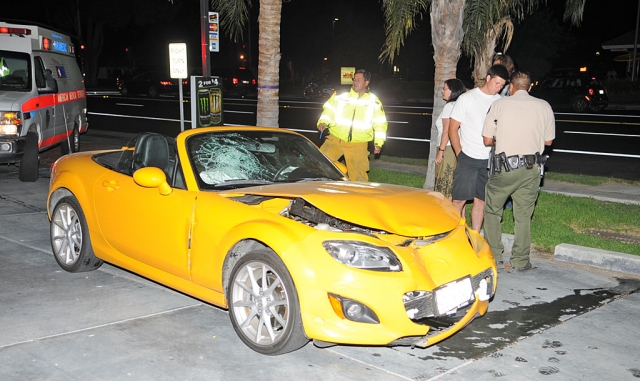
x=236 y=183
x=315 y=179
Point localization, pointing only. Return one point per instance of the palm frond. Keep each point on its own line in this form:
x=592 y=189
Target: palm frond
x=573 y=11
x=233 y=16
x=400 y=20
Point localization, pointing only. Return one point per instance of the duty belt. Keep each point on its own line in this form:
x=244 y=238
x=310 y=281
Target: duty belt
x=514 y=162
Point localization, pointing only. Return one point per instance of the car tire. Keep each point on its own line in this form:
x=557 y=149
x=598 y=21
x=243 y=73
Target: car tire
x=30 y=159
x=579 y=104
x=70 y=239
x=71 y=144
x=152 y=92
x=265 y=313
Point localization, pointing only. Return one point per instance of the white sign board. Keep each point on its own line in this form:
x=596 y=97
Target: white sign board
x=178 y=60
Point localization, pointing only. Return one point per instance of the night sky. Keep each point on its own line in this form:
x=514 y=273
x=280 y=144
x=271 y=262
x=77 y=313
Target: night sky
x=309 y=34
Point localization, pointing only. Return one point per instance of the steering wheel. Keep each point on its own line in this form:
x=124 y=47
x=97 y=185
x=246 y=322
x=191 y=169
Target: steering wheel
x=282 y=171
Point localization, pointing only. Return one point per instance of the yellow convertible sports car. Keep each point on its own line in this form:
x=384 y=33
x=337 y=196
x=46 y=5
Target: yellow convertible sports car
x=258 y=221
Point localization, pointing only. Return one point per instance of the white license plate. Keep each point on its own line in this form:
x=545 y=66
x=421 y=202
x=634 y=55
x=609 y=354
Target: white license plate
x=601 y=91
x=454 y=294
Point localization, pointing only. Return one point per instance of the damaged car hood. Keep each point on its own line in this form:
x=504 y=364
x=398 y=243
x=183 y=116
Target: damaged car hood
x=396 y=209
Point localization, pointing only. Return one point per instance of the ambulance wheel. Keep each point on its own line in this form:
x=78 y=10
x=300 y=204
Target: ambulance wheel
x=71 y=144
x=153 y=92
x=30 y=160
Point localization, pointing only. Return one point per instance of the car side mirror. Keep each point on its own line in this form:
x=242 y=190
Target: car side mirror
x=152 y=177
x=340 y=166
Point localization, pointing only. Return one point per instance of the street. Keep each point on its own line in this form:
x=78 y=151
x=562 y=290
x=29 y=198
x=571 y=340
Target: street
x=559 y=321
x=591 y=144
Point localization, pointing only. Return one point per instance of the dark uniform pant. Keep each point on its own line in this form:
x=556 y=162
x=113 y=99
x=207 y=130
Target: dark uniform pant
x=522 y=185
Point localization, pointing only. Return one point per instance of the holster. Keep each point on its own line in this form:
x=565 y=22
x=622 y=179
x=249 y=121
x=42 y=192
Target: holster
x=529 y=160
x=493 y=168
x=501 y=161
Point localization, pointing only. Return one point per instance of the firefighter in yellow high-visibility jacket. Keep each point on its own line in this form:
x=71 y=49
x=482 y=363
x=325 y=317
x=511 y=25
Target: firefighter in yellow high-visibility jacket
x=353 y=119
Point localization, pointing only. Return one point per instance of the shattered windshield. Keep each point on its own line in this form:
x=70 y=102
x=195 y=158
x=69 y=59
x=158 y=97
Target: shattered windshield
x=235 y=159
x=15 y=69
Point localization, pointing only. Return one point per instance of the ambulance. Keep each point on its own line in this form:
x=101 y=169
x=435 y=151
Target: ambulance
x=42 y=96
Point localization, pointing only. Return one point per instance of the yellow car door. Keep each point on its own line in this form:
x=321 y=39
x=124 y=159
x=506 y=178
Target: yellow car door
x=144 y=225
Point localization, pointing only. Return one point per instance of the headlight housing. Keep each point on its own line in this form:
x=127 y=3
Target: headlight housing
x=363 y=255
x=10 y=122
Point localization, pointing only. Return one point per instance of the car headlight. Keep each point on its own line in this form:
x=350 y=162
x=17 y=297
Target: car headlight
x=363 y=255
x=10 y=123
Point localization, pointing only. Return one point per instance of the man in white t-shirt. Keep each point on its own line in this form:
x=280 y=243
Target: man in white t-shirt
x=470 y=177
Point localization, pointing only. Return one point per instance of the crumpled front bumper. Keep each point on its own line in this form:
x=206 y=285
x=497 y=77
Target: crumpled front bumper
x=478 y=308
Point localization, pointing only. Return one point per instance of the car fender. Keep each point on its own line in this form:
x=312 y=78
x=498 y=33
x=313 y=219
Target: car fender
x=66 y=183
x=209 y=257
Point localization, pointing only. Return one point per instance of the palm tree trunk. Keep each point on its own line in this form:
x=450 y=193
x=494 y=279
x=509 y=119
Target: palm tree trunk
x=269 y=62
x=446 y=36
x=484 y=59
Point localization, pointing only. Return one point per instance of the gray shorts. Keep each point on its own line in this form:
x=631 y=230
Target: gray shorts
x=470 y=178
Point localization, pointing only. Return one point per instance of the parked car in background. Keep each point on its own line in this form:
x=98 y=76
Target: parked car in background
x=152 y=84
x=577 y=92
x=237 y=81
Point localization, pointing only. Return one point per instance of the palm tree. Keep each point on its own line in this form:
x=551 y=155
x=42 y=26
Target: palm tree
x=233 y=16
x=474 y=26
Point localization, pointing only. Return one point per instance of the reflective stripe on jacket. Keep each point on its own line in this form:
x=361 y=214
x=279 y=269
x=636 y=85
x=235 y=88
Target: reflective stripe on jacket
x=361 y=117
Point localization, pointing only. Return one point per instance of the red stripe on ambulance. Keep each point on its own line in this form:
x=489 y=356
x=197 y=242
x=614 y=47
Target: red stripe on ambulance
x=49 y=100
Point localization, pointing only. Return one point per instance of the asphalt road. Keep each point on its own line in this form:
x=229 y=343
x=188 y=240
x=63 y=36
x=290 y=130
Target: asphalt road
x=593 y=144
x=556 y=322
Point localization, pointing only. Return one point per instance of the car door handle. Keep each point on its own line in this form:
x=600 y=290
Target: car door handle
x=111 y=185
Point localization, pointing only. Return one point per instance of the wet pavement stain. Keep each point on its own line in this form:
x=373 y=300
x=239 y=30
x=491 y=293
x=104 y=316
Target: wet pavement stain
x=521 y=359
x=548 y=370
x=496 y=373
x=634 y=372
x=551 y=344
x=523 y=321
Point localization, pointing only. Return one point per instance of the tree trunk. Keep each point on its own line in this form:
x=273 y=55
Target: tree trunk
x=94 y=41
x=446 y=36
x=484 y=59
x=269 y=62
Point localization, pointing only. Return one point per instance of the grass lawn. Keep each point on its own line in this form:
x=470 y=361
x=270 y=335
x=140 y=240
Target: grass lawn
x=560 y=219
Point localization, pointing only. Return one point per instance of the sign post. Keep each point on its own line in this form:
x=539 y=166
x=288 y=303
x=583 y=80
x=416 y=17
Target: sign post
x=179 y=69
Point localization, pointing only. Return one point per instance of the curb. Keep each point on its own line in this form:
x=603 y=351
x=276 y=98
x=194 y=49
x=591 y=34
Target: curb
x=596 y=197
x=607 y=260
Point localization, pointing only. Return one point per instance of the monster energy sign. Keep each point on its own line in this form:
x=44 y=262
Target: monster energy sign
x=206 y=102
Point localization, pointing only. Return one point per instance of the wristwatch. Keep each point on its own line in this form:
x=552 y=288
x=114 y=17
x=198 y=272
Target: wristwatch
x=440 y=149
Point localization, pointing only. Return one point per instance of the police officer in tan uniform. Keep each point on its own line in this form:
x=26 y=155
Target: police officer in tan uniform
x=520 y=126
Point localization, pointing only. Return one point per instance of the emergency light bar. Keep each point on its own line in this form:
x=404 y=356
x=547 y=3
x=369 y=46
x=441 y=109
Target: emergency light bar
x=59 y=46
x=20 y=31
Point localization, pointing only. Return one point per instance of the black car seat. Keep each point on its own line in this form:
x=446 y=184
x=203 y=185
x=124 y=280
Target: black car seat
x=151 y=150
